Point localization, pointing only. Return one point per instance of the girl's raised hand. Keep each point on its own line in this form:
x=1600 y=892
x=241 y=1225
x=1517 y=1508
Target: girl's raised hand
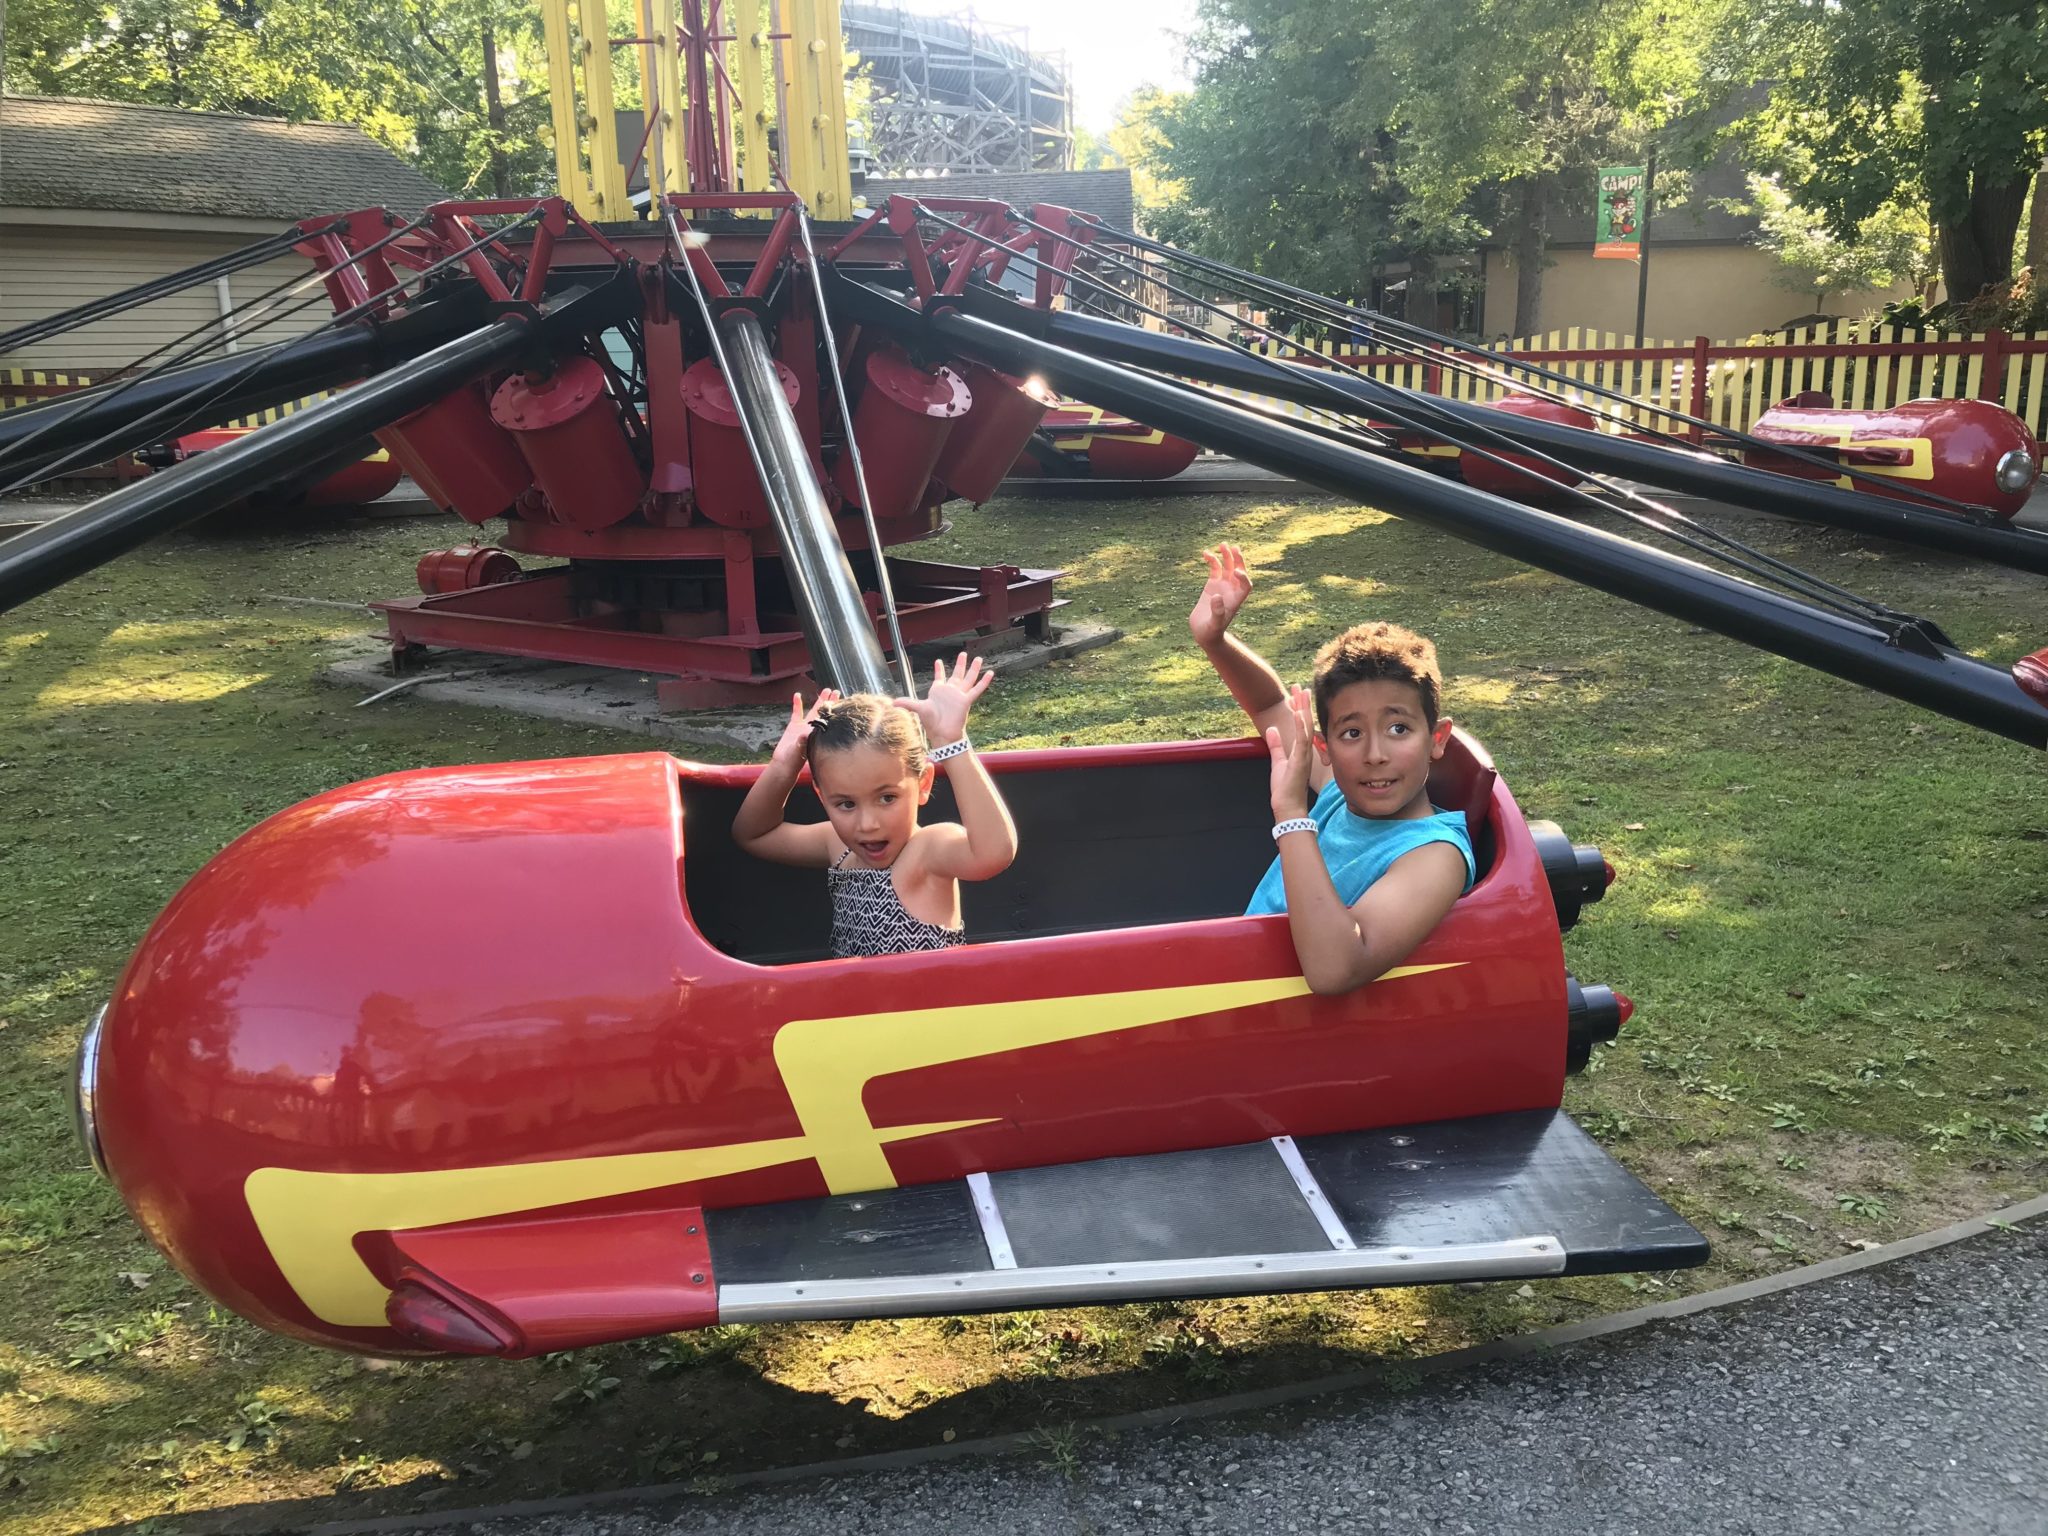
x=1291 y=760
x=1229 y=584
x=789 y=751
x=944 y=709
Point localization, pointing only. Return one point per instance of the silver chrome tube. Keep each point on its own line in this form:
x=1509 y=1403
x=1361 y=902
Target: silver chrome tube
x=84 y=1083
x=844 y=647
x=860 y=470
x=844 y=651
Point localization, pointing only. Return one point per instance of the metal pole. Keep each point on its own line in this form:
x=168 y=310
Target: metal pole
x=860 y=470
x=1945 y=681
x=225 y=297
x=1643 y=249
x=844 y=648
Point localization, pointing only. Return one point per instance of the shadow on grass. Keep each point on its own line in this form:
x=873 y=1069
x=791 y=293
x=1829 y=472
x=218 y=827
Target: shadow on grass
x=688 y=1411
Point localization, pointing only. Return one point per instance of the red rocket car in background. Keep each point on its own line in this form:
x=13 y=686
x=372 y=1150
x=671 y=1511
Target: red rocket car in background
x=1973 y=451
x=1080 y=441
x=364 y=479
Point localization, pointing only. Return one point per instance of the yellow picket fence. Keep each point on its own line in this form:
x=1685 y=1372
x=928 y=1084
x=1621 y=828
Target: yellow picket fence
x=1727 y=383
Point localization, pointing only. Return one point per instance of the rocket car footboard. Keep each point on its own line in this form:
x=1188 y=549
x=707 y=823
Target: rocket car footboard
x=1505 y=1196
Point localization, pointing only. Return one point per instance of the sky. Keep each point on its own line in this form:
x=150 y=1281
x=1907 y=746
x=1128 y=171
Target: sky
x=1112 y=46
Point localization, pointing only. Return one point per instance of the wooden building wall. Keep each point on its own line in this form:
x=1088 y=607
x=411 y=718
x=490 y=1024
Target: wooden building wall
x=46 y=268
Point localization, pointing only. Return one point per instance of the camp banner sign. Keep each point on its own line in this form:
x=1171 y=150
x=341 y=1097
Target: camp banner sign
x=1619 y=230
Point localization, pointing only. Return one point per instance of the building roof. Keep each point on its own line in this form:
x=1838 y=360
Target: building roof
x=1106 y=194
x=67 y=152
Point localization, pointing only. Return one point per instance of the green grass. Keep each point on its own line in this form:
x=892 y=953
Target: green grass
x=1831 y=916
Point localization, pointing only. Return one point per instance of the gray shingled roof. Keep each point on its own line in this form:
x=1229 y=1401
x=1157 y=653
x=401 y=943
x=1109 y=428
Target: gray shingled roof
x=1106 y=194
x=65 y=152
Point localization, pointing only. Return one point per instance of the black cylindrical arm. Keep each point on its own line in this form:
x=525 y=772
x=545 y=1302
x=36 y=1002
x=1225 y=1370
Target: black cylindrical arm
x=45 y=557
x=1699 y=473
x=254 y=379
x=1936 y=678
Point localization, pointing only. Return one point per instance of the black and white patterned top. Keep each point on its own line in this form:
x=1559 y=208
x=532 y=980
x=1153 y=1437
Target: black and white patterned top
x=868 y=916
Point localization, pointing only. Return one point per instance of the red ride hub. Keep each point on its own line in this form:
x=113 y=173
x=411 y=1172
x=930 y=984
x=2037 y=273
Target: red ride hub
x=1485 y=475
x=722 y=471
x=567 y=425
x=1004 y=412
x=902 y=421
x=459 y=456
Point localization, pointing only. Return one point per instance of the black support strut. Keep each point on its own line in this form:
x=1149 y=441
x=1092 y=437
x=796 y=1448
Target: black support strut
x=251 y=380
x=1699 y=473
x=1933 y=676
x=45 y=557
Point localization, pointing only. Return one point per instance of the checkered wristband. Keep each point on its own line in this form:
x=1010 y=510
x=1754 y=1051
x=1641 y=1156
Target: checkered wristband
x=950 y=749
x=1294 y=824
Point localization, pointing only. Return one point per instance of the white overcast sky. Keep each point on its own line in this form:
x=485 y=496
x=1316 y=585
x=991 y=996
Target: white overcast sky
x=1112 y=46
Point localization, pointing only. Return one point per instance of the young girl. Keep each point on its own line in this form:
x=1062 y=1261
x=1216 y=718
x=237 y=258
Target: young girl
x=895 y=885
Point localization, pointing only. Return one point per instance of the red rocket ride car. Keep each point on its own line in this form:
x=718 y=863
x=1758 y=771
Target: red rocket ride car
x=1081 y=441
x=1973 y=451
x=655 y=1105
x=365 y=479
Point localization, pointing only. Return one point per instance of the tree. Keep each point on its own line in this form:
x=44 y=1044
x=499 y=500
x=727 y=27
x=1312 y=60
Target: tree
x=1505 y=98
x=1279 y=158
x=1137 y=141
x=1092 y=151
x=1947 y=102
x=411 y=73
x=1347 y=136
x=1890 y=246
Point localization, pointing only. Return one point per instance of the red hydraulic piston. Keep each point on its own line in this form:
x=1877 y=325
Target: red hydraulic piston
x=464 y=568
x=1485 y=475
x=901 y=422
x=459 y=456
x=722 y=470
x=1004 y=412
x=567 y=425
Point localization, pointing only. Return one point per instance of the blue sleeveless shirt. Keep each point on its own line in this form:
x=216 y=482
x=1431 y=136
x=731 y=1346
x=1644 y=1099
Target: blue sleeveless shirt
x=1359 y=849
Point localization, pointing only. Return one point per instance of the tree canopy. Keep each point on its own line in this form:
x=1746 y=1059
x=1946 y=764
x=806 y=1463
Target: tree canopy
x=1324 y=139
x=411 y=73
x=1858 y=107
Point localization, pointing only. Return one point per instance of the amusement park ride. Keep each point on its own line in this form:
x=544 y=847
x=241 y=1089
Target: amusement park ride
x=649 y=1103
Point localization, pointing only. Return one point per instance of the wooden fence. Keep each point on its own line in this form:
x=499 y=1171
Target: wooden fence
x=1732 y=383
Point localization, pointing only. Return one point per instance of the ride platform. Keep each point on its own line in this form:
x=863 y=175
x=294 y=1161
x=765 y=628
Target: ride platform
x=1521 y=1195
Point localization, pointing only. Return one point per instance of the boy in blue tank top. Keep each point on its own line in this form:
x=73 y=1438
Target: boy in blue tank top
x=1366 y=866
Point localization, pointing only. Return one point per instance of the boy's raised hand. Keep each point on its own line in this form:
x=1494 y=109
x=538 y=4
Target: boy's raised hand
x=944 y=709
x=1292 y=759
x=789 y=751
x=1229 y=584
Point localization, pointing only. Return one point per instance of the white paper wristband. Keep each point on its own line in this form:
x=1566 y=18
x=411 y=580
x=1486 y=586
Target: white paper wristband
x=950 y=749
x=1294 y=824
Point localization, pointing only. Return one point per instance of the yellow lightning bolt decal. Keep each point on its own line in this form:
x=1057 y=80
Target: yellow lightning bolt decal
x=309 y=1220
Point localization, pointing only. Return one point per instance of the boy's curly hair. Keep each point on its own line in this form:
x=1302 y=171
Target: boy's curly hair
x=1371 y=652
x=867 y=718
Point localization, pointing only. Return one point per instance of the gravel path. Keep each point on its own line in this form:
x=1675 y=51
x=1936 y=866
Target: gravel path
x=1912 y=1397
